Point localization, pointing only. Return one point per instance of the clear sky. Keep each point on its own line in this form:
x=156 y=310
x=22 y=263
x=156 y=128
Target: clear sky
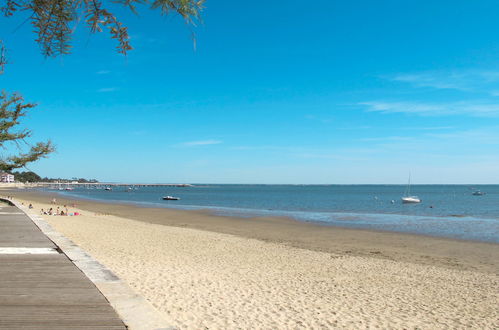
x=275 y=92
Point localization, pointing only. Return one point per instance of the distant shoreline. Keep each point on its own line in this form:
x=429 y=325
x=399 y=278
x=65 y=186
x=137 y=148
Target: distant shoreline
x=35 y=184
x=68 y=184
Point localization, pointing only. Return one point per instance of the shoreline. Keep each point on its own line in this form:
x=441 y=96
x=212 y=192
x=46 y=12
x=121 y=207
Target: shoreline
x=399 y=246
x=275 y=273
x=242 y=213
x=407 y=224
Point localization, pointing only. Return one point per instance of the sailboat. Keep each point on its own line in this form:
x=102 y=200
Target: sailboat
x=408 y=199
x=478 y=193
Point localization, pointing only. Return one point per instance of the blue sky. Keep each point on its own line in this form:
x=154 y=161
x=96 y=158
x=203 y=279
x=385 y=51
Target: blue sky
x=275 y=92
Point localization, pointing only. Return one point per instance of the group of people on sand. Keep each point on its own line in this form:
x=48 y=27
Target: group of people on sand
x=58 y=211
x=51 y=211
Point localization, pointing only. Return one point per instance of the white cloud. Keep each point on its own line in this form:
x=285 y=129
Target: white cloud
x=386 y=138
x=360 y=127
x=429 y=128
x=434 y=79
x=107 y=89
x=332 y=156
x=480 y=81
x=200 y=143
x=430 y=147
x=478 y=89
x=318 y=119
x=468 y=108
x=476 y=137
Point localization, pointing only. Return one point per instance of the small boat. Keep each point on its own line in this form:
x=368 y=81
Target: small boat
x=170 y=198
x=408 y=199
x=478 y=193
x=411 y=199
x=69 y=188
x=108 y=188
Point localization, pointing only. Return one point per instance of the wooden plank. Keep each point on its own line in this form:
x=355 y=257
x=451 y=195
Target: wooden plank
x=37 y=326
x=46 y=291
x=26 y=259
x=57 y=314
x=20 y=231
x=51 y=296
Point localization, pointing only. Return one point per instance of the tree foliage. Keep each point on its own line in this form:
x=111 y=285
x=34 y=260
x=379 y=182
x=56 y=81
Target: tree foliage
x=27 y=176
x=12 y=109
x=30 y=176
x=3 y=57
x=53 y=22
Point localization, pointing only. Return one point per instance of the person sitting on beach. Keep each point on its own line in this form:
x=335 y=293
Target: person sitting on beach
x=62 y=213
x=30 y=206
x=50 y=211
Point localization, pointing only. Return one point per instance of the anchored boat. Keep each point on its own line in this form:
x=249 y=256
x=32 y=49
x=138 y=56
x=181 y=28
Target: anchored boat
x=170 y=198
x=408 y=199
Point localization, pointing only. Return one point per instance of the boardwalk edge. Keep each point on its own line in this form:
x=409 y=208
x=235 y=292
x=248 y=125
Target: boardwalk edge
x=134 y=310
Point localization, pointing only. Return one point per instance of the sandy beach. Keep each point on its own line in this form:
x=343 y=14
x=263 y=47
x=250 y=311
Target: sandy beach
x=204 y=271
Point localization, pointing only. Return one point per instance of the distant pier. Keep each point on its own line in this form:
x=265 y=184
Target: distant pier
x=102 y=185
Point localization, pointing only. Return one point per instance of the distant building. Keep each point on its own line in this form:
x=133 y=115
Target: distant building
x=6 y=177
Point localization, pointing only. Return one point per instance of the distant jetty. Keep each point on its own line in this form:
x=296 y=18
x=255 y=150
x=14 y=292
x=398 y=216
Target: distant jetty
x=57 y=185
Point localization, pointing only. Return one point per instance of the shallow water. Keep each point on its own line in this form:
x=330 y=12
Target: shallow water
x=447 y=210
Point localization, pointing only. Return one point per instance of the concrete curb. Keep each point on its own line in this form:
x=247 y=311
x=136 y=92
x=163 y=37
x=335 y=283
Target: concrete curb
x=136 y=312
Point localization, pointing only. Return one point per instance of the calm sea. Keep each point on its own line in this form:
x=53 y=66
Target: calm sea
x=447 y=210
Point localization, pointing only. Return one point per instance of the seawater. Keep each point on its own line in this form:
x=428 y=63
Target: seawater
x=446 y=210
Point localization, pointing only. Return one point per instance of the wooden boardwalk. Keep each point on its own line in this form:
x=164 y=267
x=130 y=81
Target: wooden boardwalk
x=45 y=290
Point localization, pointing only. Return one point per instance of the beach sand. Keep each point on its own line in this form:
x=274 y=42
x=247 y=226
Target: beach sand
x=203 y=271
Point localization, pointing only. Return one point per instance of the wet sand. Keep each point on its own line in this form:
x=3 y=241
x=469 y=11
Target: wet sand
x=205 y=271
x=460 y=254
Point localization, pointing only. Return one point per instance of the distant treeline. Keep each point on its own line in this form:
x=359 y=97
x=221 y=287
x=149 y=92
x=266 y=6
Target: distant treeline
x=33 y=177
